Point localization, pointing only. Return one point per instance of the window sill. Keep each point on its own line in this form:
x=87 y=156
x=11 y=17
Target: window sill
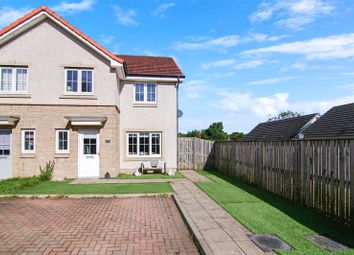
x=84 y=97
x=29 y=155
x=143 y=158
x=63 y=155
x=14 y=95
x=145 y=105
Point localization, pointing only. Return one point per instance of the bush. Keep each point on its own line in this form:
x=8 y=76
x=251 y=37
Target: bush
x=10 y=186
x=47 y=173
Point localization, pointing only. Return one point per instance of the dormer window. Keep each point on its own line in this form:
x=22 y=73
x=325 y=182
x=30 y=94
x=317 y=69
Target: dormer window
x=78 y=81
x=145 y=93
x=13 y=79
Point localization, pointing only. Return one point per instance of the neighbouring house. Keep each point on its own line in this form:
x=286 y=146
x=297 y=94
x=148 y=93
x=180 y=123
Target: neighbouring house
x=63 y=97
x=336 y=123
x=279 y=130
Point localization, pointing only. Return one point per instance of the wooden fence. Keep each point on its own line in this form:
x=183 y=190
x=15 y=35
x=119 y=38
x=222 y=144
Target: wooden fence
x=317 y=174
x=193 y=153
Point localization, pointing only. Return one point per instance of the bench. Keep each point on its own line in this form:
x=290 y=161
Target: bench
x=153 y=165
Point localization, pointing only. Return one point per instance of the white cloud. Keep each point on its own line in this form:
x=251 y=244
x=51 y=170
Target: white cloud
x=74 y=7
x=271 y=80
x=219 y=63
x=292 y=14
x=214 y=44
x=348 y=86
x=160 y=11
x=249 y=64
x=9 y=14
x=245 y=102
x=330 y=47
x=260 y=37
x=107 y=39
x=125 y=17
x=193 y=89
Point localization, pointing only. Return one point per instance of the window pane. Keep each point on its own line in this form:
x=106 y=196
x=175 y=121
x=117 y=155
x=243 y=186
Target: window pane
x=29 y=140
x=6 y=79
x=133 y=144
x=86 y=83
x=144 y=144
x=21 y=79
x=90 y=147
x=63 y=141
x=72 y=81
x=139 y=92
x=155 y=144
x=4 y=144
x=151 y=93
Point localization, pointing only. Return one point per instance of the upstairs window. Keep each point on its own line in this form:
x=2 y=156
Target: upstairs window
x=13 y=79
x=79 y=81
x=145 y=93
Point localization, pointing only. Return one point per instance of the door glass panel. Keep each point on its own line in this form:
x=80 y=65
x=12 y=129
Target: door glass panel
x=90 y=146
x=4 y=144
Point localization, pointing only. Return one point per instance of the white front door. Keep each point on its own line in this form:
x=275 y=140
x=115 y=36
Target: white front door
x=89 y=153
x=5 y=154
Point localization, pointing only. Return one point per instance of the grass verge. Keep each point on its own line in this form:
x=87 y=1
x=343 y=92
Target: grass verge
x=63 y=187
x=263 y=212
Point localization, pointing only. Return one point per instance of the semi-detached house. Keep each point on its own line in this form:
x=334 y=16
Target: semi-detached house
x=63 y=97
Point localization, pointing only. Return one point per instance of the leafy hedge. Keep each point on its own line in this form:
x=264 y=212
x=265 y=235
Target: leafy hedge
x=10 y=186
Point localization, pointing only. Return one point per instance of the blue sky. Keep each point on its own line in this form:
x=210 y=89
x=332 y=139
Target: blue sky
x=243 y=60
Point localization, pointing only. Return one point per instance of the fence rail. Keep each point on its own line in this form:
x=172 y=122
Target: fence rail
x=318 y=174
x=193 y=153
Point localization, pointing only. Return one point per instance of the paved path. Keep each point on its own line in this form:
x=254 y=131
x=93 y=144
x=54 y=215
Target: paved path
x=194 y=176
x=93 y=226
x=217 y=231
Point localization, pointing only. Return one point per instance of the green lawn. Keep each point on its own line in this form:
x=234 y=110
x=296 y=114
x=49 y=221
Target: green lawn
x=63 y=187
x=150 y=176
x=263 y=212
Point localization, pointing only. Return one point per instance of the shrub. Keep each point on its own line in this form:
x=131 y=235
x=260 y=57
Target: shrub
x=10 y=186
x=47 y=173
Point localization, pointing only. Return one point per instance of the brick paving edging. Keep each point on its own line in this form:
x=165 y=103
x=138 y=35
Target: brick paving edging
x=78 y=196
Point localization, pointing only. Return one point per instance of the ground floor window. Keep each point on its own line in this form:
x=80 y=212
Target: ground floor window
x=144 y=144
x=28 y=141
x=62 y=141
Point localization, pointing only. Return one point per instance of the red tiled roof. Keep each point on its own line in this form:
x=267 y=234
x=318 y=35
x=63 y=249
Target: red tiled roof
x=44 y=8
x=151 y=66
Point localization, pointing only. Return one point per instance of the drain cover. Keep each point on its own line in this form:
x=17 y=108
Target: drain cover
x=327 y=243
x=269 y=242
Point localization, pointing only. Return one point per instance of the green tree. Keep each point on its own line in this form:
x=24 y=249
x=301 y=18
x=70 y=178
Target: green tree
x=236 y=136
x=215 y=132
x=285 y=115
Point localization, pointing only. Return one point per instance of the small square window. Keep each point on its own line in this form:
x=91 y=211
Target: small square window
x=28 y=141
x=145 y=93
x=62 y=141
x=79 y=81
x=13 y=79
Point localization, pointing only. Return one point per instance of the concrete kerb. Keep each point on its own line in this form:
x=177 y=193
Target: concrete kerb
x=78 y=196
x=197 y=236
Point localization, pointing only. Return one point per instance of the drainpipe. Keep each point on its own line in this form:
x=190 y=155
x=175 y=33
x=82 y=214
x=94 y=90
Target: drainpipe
x=177 y=86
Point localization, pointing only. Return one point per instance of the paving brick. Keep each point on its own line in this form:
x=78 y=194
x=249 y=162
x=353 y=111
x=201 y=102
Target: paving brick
x=139 y=225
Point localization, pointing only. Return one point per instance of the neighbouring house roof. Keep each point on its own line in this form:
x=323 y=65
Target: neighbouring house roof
x=151 y=66
x=280 y=129
x=60 y=20
x=338 y=122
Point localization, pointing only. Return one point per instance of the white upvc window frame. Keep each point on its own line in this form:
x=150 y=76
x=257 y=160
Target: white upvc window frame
x=14 y=80
x=137 y=155
x=57 y=149
x=23 y=150
x=79 y=81
x=145 y=90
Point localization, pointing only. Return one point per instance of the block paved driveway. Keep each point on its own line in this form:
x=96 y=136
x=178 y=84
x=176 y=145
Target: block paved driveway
x=141 y=225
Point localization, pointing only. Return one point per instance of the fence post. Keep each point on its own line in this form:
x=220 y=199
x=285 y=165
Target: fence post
x=302 y=171
x=194 y=154
x=352 y=183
